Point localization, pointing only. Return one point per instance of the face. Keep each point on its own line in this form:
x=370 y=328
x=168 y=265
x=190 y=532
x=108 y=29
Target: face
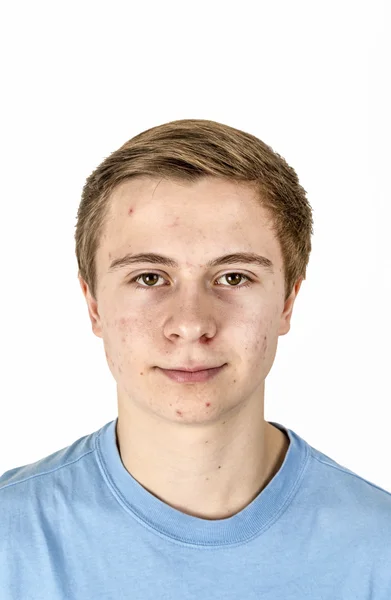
x=190 y=314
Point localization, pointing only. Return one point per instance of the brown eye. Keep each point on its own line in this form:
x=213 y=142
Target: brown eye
x=238 y=276
x=145 y=278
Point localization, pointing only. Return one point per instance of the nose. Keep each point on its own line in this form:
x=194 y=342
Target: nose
x=192 y=318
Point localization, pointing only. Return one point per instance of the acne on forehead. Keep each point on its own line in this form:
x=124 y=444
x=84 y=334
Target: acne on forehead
x=129 y=208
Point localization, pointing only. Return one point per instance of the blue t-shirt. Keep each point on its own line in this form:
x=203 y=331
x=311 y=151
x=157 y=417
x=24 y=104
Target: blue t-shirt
x=76 y=526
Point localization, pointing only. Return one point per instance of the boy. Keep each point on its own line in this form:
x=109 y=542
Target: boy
x=190 y=493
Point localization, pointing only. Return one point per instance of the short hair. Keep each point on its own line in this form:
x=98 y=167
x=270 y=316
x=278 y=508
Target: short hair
x=185 y=151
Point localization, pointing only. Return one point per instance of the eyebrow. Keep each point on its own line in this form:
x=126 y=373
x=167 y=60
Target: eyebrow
x=159 y=259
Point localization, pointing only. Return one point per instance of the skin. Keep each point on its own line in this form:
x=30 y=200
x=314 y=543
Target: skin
x=203 y=448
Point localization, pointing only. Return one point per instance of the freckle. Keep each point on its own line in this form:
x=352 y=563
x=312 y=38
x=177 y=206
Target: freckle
x=141 y=373
x=178 y=412
x=220 y=467
x=207 y=441
x=207 y=404
x=175 y=223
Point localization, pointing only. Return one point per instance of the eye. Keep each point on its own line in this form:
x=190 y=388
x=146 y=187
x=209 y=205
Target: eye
x=148 y=273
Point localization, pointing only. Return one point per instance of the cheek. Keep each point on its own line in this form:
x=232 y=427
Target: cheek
x=126 y=328
x=259 y=339
x=110 y=361
x=117 y=331
x=262 y=343
x=129 y=338
x=122 y=327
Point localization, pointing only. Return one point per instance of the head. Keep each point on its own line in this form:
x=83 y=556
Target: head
x=193 y=191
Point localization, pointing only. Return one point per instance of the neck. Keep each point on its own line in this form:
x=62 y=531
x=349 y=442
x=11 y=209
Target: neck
x=208 y=471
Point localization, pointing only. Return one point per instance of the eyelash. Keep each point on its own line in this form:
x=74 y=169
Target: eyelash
x=146 y=287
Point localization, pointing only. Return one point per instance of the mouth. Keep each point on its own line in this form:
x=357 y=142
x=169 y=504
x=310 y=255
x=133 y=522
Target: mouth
x=194 y=369
x=190 y=376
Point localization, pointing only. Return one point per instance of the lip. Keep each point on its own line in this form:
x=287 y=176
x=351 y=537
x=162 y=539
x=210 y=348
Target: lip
x=192 y=376
x=194 y=369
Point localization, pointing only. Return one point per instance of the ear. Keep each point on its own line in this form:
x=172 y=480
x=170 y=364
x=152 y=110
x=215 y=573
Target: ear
x=285 y=323
x=92 y=308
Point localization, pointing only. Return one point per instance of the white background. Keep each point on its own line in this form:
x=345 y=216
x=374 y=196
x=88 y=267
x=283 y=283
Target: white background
x=311 y=79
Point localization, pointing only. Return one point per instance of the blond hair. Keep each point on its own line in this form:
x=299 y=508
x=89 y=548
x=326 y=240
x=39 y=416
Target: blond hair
x=187 y=150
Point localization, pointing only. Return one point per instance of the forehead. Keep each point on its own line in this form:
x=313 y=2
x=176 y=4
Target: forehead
x=166 y=216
